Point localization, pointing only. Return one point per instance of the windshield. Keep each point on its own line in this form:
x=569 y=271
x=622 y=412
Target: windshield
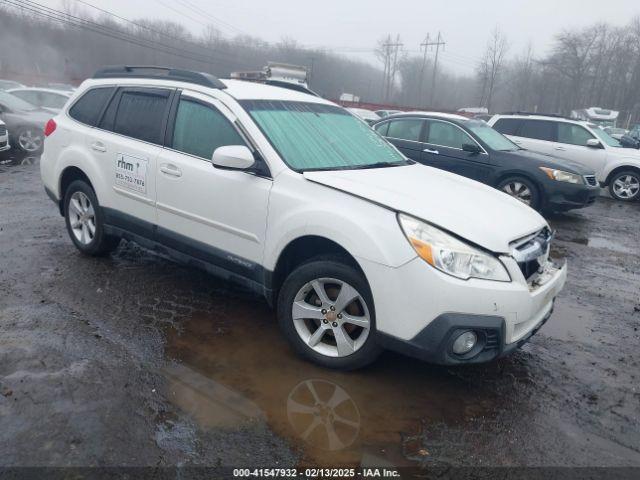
x=492 y=138
x=14 y=103
x=606 y=138
x=311 y=136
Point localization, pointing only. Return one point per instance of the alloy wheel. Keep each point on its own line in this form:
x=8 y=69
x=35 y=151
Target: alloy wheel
x=323 y=414
x=30 y=141
x=519 y=191
x=626 y=186
x=331 y=317
x=82 y=218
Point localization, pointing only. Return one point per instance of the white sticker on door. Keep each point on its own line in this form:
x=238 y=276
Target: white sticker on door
x=131 y=172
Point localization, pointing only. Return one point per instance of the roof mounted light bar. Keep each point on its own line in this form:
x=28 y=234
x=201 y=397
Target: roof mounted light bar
x=160 y=73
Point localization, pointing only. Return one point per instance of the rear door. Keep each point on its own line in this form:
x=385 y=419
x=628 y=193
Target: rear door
x=536 y=135
x=126 y=146
x=443 y=149
x=406 y=134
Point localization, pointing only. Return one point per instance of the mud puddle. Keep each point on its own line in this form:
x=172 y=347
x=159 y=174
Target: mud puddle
x=231 y=375
x=570 y=322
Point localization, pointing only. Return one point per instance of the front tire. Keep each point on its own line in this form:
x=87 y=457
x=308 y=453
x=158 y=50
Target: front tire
x=522 y=189
x=625 y=186
x=326 y=312
x=85 y=220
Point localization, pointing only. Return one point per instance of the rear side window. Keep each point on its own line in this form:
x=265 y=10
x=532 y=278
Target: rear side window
x=141 y=114
x=200 y=129
x=405 y=129
x=508 y=126
x=538 y=129
x=573 y=134
x=88 y=108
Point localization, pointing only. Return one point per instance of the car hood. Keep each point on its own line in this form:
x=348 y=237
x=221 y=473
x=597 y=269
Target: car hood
x=544 y=160
x=480 y=214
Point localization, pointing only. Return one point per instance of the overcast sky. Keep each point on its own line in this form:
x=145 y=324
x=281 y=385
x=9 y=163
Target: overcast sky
x=352 y=27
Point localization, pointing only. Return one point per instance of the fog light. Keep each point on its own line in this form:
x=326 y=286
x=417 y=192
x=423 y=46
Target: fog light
x=465 y=342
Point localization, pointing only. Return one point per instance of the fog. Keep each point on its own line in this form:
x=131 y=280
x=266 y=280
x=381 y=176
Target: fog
x=504 y=55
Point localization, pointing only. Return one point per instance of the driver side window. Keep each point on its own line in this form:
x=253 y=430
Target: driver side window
x=573 y=134
x=199 y=129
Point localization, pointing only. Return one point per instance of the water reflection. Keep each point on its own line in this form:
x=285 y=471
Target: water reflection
x=233 y=368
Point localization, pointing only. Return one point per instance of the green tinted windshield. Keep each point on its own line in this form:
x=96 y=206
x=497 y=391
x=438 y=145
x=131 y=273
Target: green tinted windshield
x=492 y=138
x=605 y=137
x=311 y=136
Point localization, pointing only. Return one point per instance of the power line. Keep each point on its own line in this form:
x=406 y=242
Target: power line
x=68 y=19
x=153 y=30
x=200 y=11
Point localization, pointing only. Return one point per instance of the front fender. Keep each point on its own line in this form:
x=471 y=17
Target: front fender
x=364 y=229
x=632 y=162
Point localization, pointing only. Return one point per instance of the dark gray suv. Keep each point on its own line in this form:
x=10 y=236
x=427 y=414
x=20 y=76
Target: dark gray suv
x=25 y=123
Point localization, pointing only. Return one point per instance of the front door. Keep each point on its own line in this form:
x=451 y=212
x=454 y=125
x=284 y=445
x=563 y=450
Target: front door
x=444 y=149
x=210 y=213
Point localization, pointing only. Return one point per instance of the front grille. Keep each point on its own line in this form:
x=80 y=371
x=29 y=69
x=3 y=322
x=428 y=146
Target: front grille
x=3 y=130
x=530 y=250
x=591 y=180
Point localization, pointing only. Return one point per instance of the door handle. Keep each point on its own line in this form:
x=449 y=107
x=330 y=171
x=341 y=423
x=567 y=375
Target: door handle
x=562 y=149
x=170 y=170
x=98 y=147
x=428 y=150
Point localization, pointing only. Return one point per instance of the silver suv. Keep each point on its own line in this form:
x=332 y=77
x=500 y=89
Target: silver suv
x=616 y=167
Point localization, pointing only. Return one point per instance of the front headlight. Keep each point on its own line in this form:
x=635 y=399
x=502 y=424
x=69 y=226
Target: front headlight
x=450 y=255
x=562 y=176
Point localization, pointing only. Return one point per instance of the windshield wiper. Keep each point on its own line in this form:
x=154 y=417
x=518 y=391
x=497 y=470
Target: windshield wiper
x=379 y=165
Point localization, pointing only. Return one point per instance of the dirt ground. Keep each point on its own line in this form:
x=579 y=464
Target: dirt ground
x=132 y=360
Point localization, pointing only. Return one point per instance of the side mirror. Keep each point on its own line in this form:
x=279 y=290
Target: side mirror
x=594 y=143
x=235 y=157
x=471 y=148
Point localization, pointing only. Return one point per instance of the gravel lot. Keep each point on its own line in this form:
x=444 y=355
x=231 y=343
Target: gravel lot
x=133 y=360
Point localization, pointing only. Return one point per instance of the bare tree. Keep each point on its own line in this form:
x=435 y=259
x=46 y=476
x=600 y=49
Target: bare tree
x=491 y=65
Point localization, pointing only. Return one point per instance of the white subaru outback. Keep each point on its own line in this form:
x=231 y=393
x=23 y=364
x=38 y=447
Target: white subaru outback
x=290 y=195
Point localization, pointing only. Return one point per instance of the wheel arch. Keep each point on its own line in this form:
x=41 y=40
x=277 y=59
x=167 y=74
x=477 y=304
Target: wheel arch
x=302 y=249
x=67 y=176
x=621 y=168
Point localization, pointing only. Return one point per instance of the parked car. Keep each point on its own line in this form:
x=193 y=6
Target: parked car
x=632 y=138
x=287 y=193
x=7 y=84
x=25 y=123
x=386 y=113
x=45 y=98
x=4 y=137
x=615 y=132
x=616 y=167
x=366 y=115
x=471 y=148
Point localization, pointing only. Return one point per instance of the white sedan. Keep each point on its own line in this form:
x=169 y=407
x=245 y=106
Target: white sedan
x=45 y=98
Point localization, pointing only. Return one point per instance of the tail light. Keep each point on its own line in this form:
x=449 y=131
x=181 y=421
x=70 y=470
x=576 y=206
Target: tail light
x=50 y=127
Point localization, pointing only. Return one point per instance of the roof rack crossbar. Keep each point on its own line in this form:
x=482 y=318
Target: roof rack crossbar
x=161 y=73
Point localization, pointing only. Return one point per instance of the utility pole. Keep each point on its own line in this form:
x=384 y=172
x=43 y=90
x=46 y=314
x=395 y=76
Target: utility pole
x=391 y=66
x=424 y=45
x=437 y=43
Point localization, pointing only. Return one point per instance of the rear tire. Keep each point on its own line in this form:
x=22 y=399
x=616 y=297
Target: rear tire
x=85 y=220
x=625 y=186
x=343 y=337
x=522 y=189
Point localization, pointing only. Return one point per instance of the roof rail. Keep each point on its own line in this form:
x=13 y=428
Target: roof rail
x=160 y=73
x=539 y=114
